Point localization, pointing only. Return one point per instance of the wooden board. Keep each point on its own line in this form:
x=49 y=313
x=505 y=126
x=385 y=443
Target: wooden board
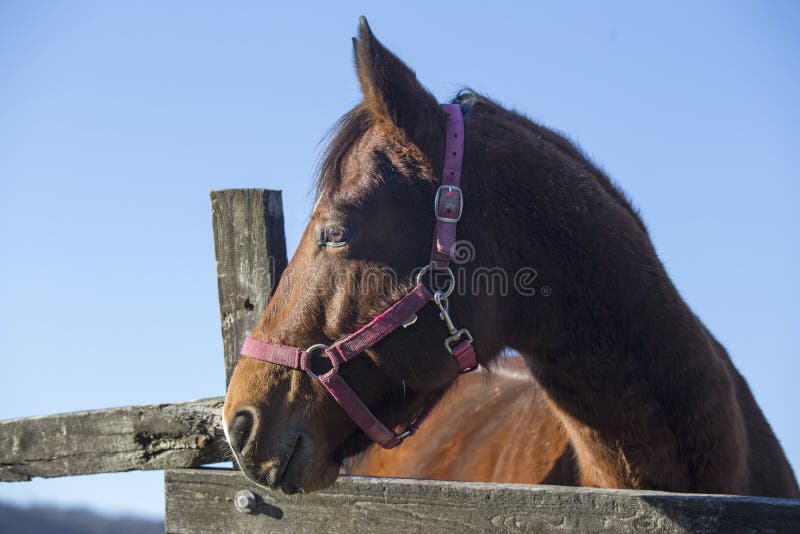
x=147 y=437
x=202 y=500
x=251 y=256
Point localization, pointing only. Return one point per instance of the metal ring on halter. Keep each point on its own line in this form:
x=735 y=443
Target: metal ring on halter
x=319 y=346
x=451 y=282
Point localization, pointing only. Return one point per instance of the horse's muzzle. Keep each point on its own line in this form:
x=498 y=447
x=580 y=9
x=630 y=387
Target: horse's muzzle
x=283 y=459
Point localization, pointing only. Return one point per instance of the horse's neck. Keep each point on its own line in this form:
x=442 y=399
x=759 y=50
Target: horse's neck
x=646 y=401
x=638 y=383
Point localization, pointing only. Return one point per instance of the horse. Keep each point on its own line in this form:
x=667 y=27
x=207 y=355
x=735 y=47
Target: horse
x=487 y=417
x=560 y=268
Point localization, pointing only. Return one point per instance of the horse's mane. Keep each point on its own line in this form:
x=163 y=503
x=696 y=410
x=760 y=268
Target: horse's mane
x=343 y=135
x=469 y=99
x=355 y=123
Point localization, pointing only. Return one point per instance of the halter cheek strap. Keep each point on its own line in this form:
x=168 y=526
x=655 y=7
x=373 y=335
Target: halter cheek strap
x=448 y=206
x=449 y=201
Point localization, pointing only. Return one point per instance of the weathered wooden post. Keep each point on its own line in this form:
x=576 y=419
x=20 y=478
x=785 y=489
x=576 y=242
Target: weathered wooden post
x=250 y=248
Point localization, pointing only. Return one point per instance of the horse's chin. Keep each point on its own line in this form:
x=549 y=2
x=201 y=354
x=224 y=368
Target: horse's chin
x=300 y=474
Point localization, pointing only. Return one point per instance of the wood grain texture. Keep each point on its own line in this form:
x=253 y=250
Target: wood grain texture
x=250 y=249
x=146 y=437
x=202 y=501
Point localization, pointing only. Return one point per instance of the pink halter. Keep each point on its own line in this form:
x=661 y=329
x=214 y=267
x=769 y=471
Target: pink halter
x=448 y=205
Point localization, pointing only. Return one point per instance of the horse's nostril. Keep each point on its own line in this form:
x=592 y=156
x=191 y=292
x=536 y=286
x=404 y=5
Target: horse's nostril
x=240 y=430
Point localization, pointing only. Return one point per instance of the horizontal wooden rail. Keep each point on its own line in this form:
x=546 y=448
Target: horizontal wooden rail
x=203 y=500
x=155 y=436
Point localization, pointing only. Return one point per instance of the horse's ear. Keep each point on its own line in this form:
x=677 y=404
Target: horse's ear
x=391 y=91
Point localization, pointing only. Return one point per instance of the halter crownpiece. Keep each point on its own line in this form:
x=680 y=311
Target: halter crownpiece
x=448 y=205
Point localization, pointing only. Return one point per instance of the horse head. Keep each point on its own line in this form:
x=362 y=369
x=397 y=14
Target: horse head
x=368 y=236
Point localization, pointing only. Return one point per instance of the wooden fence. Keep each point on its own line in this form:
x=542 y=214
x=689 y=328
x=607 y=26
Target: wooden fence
x=251 y=255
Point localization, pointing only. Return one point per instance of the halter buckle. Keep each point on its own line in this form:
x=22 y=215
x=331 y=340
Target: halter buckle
x=449 y=203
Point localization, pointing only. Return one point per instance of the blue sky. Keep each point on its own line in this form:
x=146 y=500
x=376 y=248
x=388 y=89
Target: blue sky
x=116 y=120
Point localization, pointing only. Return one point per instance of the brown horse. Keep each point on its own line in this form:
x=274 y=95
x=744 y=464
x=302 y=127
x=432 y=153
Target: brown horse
x=644 y=394
x=481 y=432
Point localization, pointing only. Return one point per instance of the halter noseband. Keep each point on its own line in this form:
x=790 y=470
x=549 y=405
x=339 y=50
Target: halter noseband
x=448 y=205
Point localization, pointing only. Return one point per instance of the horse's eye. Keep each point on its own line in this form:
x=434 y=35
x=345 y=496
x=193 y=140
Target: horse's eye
x=334 y=236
